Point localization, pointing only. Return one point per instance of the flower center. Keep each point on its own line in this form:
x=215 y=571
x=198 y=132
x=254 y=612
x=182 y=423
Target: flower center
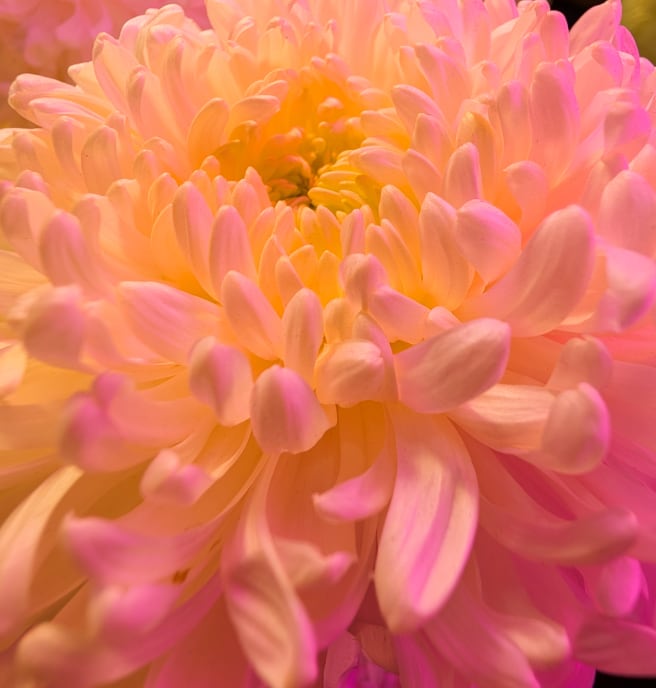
x=297 y=145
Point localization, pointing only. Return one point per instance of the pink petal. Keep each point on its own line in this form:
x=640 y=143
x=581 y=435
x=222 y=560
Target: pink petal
x=221 y=377
x=113 y=554
x=466 y=634
x=362 y=496
x=446 y=273
x=55 y=327
x=451 y=368
x=555 y=118
x=430 y=523
x=488 y=238
x=627 y=214
x=350 y=372
x=547 y=281
x=285 y=414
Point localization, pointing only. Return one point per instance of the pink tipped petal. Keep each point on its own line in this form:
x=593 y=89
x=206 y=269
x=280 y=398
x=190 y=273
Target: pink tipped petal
x=430 y=523
x=221 y=377
x=256 y=324
x=489 y=239
x=129 y=613
x=577 y=431
x=168 y=481
x=451 y=368
x=350 y=372
x=362 y=496
x=285 y=414
x=548 y=279
x=55 y=327
x=113 y=554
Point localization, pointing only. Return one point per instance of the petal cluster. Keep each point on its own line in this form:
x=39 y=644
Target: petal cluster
x=46 y=37
x=327 y=351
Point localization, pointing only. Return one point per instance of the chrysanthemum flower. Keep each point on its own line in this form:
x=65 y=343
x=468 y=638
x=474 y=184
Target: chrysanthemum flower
x=328 y=352
x=46 y=36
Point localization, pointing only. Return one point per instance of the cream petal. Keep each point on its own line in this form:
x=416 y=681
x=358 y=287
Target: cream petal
x=221 y=377
x=451 y=368
x=256 y=325
x=13 y=360
x=285 y=414
x=430 y=524
x=547 y=281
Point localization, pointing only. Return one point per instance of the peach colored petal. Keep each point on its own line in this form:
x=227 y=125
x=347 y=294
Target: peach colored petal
x=448 y=369
x=425 y=541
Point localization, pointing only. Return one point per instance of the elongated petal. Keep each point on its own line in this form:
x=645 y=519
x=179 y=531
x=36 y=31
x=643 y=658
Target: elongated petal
x=451 y=368
x=548 y=279
x=430 y=523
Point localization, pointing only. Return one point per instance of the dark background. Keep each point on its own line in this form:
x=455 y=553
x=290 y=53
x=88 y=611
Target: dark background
x=573 y=9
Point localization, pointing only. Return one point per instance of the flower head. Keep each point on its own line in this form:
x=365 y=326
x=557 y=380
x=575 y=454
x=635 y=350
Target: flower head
x=328 y=351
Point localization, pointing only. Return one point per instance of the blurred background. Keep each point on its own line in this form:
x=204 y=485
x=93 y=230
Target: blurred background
x=640 y=17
